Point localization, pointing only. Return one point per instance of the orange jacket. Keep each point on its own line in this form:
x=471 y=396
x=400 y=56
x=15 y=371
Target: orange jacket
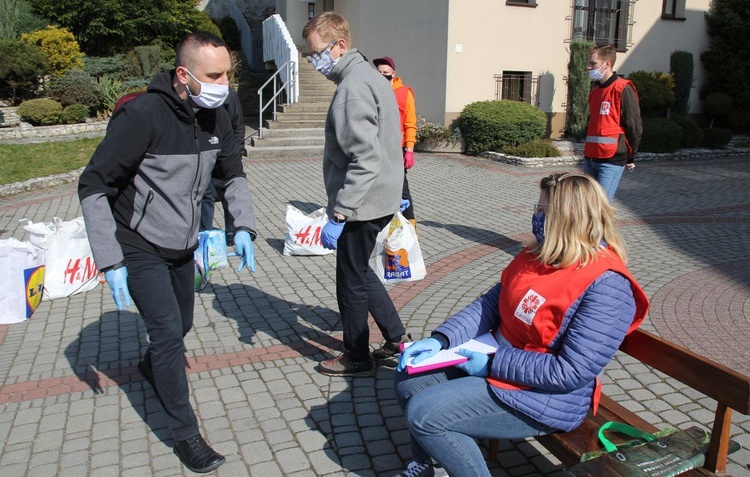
x=408 y=112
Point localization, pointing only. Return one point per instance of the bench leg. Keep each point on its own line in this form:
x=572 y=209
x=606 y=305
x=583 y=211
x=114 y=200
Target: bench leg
x=494 y=447
x=716 y=459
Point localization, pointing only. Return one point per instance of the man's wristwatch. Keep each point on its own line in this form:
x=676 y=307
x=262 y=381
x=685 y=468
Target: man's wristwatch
x=336 y=220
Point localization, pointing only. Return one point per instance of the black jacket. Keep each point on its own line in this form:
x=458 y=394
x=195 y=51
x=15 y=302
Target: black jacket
x=144 y=184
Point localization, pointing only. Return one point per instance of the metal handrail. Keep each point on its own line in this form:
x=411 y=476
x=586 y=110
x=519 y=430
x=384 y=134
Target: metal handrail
x=291 y=74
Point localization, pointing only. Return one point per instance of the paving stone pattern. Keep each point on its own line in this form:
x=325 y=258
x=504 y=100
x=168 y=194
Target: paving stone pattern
x=72 y=402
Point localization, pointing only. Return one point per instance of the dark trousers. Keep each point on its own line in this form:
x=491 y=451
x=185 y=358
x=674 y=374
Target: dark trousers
x=406 y=194
x=358 y=290
x=163 y=291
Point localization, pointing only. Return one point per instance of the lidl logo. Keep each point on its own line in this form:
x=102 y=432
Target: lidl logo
x=34 y=280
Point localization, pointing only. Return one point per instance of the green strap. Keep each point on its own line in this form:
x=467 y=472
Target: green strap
x=624 y=429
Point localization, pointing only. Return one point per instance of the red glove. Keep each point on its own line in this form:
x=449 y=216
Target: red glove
x=408 y=159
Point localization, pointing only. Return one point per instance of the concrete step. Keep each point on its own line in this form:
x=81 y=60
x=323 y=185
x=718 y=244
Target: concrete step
x=295 y=132
x=288 y=141
x=305 y=97
x=303 y=123
x=300 y=116
x=321 y=107
x=280 y=152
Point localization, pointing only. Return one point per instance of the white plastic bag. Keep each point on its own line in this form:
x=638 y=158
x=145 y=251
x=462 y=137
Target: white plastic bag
x=69 y=263
x=397 y=256
x=21 y=280
x=303 y=232
x=210 y=255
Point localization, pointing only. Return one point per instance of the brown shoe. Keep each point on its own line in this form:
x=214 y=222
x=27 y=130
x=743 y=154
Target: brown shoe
x=390 y=349
x=342 y=365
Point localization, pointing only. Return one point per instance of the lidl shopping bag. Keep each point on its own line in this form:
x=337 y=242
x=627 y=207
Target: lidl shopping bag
x=21 y=280
x=69 y=263
x=303 y=232
x=397 y=256
x=210 y=255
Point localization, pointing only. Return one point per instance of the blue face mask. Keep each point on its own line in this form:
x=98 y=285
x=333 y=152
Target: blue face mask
x=537 y=226
x=325 y=64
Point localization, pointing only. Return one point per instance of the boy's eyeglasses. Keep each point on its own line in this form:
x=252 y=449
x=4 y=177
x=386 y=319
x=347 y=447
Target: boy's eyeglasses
x=316 y=55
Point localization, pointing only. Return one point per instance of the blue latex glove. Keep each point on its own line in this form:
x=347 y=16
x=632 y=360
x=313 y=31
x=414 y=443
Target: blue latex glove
x=243 y=243
x=405 y=203
x=478 y=364
x=118 y=285
x=420 y=350
x=330 y=234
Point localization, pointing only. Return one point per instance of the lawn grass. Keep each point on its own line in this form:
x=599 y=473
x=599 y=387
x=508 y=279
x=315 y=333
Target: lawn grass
x=20 y=162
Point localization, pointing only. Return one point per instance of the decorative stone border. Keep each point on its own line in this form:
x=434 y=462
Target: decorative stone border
x=28 y=132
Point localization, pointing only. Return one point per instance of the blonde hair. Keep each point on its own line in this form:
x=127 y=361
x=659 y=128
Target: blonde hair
x=579 y=222
x=330 y=26
x=605 y=52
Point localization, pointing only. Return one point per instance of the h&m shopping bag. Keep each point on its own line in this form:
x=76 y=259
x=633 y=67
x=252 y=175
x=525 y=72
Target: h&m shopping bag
x=210 y=255
x=303 y=232
x=666 y=453
x=397 y=256
x=69 y=263
x=21 y=280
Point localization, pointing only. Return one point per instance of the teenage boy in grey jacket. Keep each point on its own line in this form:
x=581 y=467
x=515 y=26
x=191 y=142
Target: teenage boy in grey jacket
x=362 y=171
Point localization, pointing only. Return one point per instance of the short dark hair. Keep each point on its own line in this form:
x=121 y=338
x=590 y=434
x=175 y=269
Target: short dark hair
x=192 y=42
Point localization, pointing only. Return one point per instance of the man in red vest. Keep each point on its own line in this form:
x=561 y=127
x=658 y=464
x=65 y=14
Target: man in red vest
x=614 y=130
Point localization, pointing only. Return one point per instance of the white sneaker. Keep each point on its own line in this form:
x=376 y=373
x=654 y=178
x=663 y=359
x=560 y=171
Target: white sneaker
x=418 y=469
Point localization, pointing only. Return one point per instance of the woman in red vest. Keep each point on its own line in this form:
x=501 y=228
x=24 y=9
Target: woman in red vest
x=559 y=314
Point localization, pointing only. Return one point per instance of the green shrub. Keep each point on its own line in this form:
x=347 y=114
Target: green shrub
x=492 y=125
x=112 y=90
x=40 y=112
x=579 y=86
x=535 y=148
x=739 y=121
x=716 y=137
x=230 y=33
x=681 y=68
x=433 y=132
x=654 y=91
x=660 y=135
x=98 y=66
x=718 y=105
x=77 y=87
x=692 y=135
x=75 y=113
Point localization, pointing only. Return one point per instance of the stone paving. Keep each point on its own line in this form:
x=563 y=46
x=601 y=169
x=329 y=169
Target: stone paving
x=72 y=403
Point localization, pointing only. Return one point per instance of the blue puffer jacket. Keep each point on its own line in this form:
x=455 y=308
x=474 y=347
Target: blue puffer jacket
x=561 y=383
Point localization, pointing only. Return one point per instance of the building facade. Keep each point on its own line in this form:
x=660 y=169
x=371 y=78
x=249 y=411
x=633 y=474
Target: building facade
x=455 y=52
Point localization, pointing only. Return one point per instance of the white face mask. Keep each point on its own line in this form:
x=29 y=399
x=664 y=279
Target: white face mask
x=325 y=64
x=211 y=96
x=596 y=74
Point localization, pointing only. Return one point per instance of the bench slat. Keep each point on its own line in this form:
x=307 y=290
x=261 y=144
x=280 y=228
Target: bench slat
x=702 y=374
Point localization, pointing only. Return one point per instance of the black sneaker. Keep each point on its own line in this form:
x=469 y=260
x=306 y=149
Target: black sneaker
x=342 y=365
x=418 y=469
x=390 y=349
x=197 y=455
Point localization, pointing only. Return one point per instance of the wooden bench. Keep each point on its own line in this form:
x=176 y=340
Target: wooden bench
x=730 y=389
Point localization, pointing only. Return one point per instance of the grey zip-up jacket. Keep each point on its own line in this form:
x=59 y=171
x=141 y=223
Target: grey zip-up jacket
x=363 y=166
x=145 y=182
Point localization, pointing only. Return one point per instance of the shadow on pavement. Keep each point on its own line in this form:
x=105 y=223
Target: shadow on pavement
x=478 y=235
x=109 y=349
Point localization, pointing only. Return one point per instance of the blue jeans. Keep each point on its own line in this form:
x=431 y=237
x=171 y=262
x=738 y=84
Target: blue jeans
x=446 y=410
x=606 y=174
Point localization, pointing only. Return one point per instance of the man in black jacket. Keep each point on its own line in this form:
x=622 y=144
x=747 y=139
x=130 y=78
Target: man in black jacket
x=141 y=194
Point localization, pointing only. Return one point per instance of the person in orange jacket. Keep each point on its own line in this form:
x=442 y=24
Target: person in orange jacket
x=408 y=113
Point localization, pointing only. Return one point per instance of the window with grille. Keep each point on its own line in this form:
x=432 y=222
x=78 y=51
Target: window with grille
x=673 y=9
x=603 y=22
x=516 y=86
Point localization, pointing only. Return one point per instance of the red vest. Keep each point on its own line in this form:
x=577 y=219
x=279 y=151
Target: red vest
x=535 y=297
x=604 y=120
